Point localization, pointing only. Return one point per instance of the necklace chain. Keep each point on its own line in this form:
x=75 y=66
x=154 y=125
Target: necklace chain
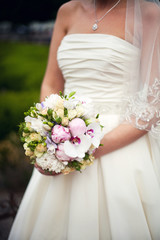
x=95 y=25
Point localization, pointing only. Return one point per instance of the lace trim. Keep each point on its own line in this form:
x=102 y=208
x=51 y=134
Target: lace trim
x=143 y=109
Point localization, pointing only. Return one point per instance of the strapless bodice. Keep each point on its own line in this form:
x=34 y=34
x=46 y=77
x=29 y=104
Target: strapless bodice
x=97 y=66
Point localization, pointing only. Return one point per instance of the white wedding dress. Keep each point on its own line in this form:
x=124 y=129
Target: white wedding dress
x=118 y=197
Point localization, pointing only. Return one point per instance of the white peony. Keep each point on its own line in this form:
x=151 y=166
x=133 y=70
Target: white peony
x=49 y=162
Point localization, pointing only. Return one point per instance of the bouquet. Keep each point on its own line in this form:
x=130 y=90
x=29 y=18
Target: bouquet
x=60 y=135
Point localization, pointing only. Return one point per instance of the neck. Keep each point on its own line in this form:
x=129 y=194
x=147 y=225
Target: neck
x=104 y=3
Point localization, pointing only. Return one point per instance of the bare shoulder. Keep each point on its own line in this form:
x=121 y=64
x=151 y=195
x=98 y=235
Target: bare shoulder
x=69 y=8
x=151 y=12
x=66 y=14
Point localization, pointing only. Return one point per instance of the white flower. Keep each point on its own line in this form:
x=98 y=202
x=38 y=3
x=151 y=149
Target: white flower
x=51 y=101
x=28 y=152
x=39 y=106
x=36 y=125
x=70 y=104
x=35 y=137
x=49 y=162
x=80 y=111
x=72 y=113
x=60 y=113
x=95 y=133
x=59 y=104
x=77 y=146
x=28 y=125
x=65 y=121
x=51 y=146
x=41 y=148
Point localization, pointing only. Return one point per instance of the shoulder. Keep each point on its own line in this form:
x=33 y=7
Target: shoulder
x=151 y=12
x=69 y=8
x=66 y=14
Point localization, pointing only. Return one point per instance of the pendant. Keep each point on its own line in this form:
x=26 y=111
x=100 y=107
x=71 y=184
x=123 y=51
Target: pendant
x=95 y=27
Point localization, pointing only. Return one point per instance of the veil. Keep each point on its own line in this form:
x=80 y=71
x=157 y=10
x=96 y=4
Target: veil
x=142 y=29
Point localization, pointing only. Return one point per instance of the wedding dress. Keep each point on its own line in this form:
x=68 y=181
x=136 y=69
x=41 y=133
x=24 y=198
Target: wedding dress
x=118 y=197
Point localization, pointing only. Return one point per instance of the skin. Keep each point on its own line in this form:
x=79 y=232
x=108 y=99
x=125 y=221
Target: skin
x=78 y=17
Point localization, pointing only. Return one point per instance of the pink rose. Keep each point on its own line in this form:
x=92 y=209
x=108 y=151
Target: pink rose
x=60 y=134
x=77 y=127
x=60 y=154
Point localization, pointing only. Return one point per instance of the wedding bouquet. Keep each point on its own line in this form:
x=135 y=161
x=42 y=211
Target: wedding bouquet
x=60 y=135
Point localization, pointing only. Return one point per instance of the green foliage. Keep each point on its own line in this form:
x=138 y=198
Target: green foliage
x=22 y=68
x=12 y=107
x=75 y=164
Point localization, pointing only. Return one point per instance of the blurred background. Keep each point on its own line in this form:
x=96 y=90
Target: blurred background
x=25 y=32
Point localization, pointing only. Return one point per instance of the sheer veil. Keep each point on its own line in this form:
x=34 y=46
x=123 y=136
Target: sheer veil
x=142 y=29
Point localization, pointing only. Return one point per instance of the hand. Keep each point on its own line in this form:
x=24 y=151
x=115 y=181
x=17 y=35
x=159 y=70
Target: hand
x=45 y=172
x=98 y=152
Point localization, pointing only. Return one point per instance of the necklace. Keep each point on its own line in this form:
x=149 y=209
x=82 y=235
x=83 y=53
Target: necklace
x=95 y=25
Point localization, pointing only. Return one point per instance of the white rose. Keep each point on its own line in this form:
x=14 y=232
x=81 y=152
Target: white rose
x=72 y=113
x=35 y=137
x=60 y=113
x=41 y=148
x=25 y=134
x=59 y=104
x=28 y=125
x=25 y=146
x=65 y=121
x=80 y=111
x=28 y=152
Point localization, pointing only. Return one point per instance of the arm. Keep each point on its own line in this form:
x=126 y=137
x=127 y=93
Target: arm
x=53 y=81
x=119 y=137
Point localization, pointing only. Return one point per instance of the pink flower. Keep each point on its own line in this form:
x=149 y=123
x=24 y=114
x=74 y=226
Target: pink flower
x=77 y=127
x=60 y=154
x=60 y=134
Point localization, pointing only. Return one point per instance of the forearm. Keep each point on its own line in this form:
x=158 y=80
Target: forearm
x=47 y=90
x=119 y=137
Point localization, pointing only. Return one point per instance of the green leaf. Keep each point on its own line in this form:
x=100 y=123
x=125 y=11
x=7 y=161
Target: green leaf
x=65 y=111
x=101 y=145
x=60 y=94
x=71 y=94
x=75 y=164
x=58 y=120
x=50 y=111
x=86 y=156
x=32 y=145
x=97 y=116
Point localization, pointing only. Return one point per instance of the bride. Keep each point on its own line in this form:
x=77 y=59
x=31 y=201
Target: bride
x=109 y=51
